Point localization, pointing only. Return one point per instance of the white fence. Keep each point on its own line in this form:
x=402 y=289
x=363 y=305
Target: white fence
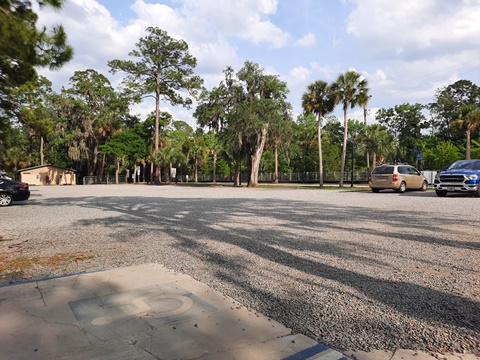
x=307 y=177
x=90 y=180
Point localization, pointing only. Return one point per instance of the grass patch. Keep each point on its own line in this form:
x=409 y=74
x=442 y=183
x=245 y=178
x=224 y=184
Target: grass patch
x=314 y=187
x=311 y=186
x=202 y=184
x=55 y=261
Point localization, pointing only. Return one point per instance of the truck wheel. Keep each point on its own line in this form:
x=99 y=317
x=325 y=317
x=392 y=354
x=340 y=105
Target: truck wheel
x=477 y=192
x=402 y=188
x=375 y=190
x=441 y=193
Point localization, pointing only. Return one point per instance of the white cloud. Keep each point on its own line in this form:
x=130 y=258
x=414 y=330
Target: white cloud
x=406 y=49
x=412 y=29
x=326 y=72
x=300 y=74
x=418 y=46
x=306 y=41
x=359 y=115
x=300 y=77
x=96 y=36
x=416 y=82
x=245 y=19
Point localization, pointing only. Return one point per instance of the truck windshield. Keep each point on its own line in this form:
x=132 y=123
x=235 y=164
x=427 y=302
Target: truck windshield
x=465 y=165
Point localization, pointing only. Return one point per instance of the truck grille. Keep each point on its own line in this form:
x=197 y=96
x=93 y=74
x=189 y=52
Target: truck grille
x=452 y=178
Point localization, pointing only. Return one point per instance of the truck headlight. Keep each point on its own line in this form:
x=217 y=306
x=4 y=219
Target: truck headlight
x=437 y=176
x=472 y=177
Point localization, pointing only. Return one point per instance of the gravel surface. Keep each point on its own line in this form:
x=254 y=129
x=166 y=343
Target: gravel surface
x=352 y=269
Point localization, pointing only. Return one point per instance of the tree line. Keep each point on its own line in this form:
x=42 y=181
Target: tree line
x=244 y=125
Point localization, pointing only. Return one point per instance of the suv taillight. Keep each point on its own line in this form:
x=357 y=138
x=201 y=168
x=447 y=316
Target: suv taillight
x=395 y=178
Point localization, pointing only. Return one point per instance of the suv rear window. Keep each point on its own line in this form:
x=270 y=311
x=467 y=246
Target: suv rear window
x=383 y=170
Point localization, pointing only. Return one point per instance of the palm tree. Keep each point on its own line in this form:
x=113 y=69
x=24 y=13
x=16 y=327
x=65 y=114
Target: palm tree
x=469 y=119
x=379 y=142
x=197 y=154
x=164 y=158
x=280 y=133
x=349 y=89
x=363 y=102
x=320 y=101
x=214 y=146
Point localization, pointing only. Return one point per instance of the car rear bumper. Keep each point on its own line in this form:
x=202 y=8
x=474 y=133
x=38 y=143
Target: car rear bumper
x=21 y=196
x=392 y=186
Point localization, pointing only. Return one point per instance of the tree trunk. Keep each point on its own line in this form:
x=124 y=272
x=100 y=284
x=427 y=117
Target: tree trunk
x=95 y=160
x=166 y=173
x=255 y=159
x=102 y=169
x=276 y=165
x=236 y=176
x=157 y=131
x=320 y=153
x=365 y=123
x=41 y=151
x=214 y=166
x=344 y=150
x=467 y=146
x=117 y=169
x=195 y=171
x=151 y=172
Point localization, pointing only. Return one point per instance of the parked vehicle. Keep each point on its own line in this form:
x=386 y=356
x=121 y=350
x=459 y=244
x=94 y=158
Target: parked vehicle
x=11 y=191
x=399 y=177
x=460 y=176
x=4 y=175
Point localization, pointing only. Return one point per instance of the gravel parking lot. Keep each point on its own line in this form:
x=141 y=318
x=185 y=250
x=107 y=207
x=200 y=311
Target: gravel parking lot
x=352 y=269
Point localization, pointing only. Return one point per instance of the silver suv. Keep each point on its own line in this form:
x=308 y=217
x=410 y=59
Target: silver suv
x=398 y=177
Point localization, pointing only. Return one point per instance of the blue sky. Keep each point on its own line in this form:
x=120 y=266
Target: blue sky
x=406 y=49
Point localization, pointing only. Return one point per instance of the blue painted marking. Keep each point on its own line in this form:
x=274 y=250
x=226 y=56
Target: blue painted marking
x=305 y=354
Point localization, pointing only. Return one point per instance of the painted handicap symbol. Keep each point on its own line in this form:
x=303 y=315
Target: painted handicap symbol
x=141 y=306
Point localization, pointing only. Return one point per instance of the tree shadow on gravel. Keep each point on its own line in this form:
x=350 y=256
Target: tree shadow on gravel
x=299 y=236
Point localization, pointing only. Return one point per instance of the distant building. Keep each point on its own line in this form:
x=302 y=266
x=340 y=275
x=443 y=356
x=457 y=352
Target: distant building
x=48 y=175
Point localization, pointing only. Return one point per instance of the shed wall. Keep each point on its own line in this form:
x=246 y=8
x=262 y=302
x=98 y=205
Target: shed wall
x=48 y=175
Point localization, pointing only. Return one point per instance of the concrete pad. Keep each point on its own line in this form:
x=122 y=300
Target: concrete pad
x=403 y=354
x=275 y=349
x=420 y=355
x=141 y=312
x=24 y=293
x=371 y=355
x=150 y=312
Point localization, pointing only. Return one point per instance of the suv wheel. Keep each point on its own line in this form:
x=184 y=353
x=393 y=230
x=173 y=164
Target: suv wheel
x=402 y=188
x=424 y=186
x=441 y=193
x=375 y=190
x=5 y=199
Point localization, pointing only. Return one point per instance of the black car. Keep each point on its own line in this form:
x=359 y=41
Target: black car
x=11 y=191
